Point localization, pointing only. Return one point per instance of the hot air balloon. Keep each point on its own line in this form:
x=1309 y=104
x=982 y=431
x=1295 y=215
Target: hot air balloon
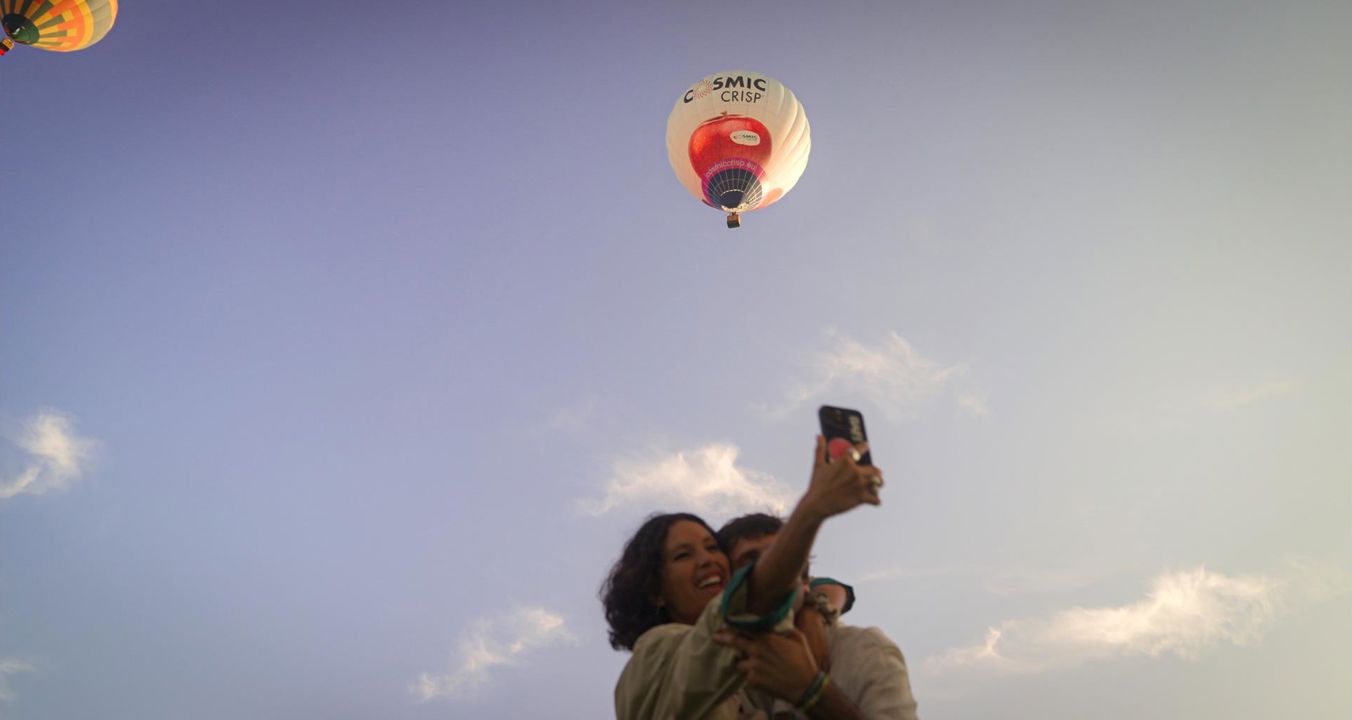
x=59 y=25
x=738 y=141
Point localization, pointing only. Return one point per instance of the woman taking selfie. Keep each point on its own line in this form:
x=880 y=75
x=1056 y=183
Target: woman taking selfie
x=670 y=591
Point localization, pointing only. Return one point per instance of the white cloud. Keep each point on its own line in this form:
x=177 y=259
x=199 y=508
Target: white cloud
x=1241 y=397
x=578 y=417
x=899 y=379
x=1031 y=582
x=9 y=667
x=1184 y=614
x=55 y=456
x=974 y=404
x=704 y=480
x=490 y=643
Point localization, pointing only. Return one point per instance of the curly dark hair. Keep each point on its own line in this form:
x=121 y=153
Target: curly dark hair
x=636 y=578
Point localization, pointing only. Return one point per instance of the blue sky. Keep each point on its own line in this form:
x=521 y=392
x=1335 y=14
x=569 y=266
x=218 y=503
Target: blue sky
x=340 y=353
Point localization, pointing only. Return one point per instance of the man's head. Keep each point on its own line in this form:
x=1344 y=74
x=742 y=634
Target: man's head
x=744 y=539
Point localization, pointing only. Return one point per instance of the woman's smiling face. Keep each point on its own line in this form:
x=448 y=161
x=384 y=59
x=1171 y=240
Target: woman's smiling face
x=694 y=571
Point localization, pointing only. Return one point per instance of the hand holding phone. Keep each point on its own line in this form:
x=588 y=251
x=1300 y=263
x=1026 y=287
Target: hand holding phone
x=843 y=429
x=844 y=476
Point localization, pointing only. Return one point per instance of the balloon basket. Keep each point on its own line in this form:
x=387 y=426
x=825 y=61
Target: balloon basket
x=734 y=220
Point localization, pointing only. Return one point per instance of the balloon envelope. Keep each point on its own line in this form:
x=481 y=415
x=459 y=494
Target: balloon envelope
x=59 y=25
x=738 y=140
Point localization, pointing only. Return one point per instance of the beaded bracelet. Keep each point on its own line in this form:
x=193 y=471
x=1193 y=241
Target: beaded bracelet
x=824 y=607
x=814 y=693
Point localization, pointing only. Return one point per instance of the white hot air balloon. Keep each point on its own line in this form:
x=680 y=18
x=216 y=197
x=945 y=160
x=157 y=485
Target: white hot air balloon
x=738 y=141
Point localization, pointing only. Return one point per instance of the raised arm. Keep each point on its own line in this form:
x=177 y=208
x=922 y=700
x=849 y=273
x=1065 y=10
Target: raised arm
x=836 y=487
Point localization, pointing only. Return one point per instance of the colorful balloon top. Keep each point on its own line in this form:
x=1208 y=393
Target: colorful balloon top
x=58 y=25
x=738 y=141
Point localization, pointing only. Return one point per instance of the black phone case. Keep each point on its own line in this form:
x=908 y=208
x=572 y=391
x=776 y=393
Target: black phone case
x=844 y=423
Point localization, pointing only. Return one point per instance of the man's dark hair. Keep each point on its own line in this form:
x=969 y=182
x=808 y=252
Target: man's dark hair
x=636 y=579
x=747 y=527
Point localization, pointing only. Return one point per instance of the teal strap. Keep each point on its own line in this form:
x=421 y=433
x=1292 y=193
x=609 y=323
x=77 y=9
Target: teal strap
x=753 y=623
x=849 y=591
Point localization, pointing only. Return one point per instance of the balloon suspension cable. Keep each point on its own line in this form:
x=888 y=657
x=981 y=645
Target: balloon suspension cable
x=734 y=220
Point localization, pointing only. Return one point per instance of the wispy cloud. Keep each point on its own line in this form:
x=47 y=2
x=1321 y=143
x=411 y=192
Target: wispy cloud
x=907 y=572
x=704 y=480
x=577 y=417
x=1184 y=614
x=505 y=640
x=890 y=573
x=10 y=667
x=55 y=456
x=892 y=372
x=1240 y=397
x=1033 y=582
x=974 y=404
x=998 y=582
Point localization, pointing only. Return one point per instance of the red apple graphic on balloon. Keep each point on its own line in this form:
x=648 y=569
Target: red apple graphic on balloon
x=729 y=153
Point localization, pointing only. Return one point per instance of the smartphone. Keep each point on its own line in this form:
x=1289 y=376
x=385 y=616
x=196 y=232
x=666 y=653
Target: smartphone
x=842 y=428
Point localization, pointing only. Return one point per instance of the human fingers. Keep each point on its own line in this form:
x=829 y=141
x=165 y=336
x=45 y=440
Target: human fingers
x=788 y=664
x=821 y=451
x=735 y=640
x=873 y=491
x=853 y=473
x=780 y=643
x=856 y=485
x=792 y=637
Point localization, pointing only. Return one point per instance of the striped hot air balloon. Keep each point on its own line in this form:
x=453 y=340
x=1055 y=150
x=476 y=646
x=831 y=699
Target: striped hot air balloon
x=738 y=141
x=58 y=25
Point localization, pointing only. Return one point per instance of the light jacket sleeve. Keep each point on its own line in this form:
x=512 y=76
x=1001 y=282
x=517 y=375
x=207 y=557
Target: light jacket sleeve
x=678 y=672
